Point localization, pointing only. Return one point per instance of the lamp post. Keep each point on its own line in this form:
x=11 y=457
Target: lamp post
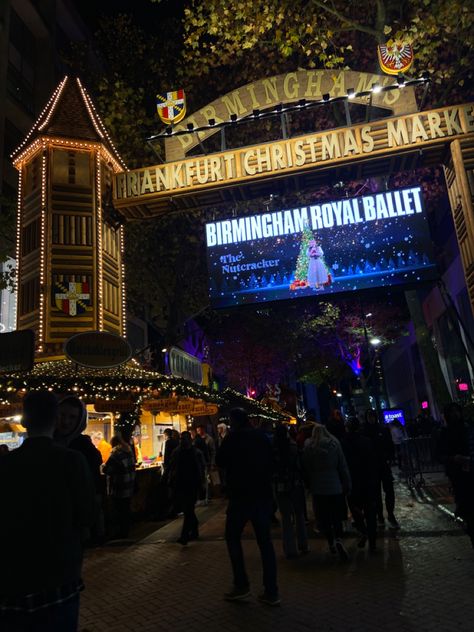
x=373 y=342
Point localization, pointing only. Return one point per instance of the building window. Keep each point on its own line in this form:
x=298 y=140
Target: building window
x=21 y=59
x=72 y=230
x=30 y=239
x=29 y=296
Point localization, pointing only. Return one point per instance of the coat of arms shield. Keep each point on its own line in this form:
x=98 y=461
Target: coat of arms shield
x=171 y=106
x=72 y=298
x=395 y=57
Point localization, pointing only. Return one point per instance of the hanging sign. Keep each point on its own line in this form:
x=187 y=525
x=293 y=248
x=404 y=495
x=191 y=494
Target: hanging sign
x=395 y=57
x=171 y=106
x=98 y=349
x=185 y=366
x=114 y=406
x=17 y=349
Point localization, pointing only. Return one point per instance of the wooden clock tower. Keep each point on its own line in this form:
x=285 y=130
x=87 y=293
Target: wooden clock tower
x=69 y=240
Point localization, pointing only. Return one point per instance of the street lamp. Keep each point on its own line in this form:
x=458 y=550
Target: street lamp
x=375 y=341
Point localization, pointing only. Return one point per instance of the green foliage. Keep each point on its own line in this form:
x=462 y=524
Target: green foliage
x=260 y=37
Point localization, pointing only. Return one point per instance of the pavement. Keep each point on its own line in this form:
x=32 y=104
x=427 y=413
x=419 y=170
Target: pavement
x=420 y=580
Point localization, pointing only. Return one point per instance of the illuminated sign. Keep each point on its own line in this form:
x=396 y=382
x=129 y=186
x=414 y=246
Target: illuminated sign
x=424 y=405
x=350 y=144
x=462 y=386
x=381 y=239
x=185 y=366
x=393 y=415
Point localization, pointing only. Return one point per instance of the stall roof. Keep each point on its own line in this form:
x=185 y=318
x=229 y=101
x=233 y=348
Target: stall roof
x=234 y=399
x=99 y=384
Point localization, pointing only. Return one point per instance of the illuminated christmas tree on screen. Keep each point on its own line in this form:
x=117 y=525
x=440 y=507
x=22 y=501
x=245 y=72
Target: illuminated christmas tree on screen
x=301 y=272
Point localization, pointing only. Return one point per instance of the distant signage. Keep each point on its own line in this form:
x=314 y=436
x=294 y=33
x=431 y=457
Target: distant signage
x=463 y=386
x=115 y=406
x=98 y=349
x=184 y=365
x=17 y=351
x=376 y=240
x=424 y=404
x=393 y=415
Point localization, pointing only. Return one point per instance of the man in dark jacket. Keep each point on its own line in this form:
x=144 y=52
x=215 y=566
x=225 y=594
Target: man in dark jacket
x=363 y=466
x=186 y=478
x=46 y=505
x=246 y=457
x=385 y=454
x=170 y=445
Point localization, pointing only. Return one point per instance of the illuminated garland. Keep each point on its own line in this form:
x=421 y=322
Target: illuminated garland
x=99 y=384
x=124 y=382
x=303 y=104
x=254 y=408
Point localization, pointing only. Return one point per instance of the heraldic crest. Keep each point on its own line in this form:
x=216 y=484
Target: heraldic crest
x=71 y=298
x=171 y=106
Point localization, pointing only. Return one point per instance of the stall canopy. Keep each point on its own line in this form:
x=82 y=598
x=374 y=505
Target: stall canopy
x=234 y=399
x=119 y=385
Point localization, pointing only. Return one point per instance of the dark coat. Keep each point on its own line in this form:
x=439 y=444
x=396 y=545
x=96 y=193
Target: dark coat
x=382 y=442
x=246 y=457
x=84 y=445
x=363 y=466
x=187 y=470
x=47 y=499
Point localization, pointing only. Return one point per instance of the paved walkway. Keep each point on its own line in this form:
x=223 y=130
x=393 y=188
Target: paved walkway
x=421 y=580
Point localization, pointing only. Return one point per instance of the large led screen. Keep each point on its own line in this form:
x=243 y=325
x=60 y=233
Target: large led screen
x=356 y=243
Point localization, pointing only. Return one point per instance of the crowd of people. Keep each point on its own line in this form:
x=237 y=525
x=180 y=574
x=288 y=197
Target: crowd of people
x=58 y=477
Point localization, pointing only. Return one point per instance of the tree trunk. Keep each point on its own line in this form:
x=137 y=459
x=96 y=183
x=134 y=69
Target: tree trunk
x=428 y=352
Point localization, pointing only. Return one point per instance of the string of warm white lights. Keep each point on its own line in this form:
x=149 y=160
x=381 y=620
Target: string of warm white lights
x=122 y=270
x=53 y=106
x=97 y=121
x=43 y=112
x=24 y=151
x=302 y=104
x=105 y=384
x=18 y=238
x=42 y=252
x=100 y=254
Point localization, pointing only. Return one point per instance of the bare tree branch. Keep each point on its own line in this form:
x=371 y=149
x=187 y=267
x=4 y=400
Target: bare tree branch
x=340 y=16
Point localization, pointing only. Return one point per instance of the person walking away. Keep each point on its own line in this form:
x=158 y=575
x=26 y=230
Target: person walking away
x=290 y=493
x=205 y=444
x=336 y=425
x=330 y=482
x=246 y=457
x=453 y=449
x=47 y=504
x=170 y=445
x=362 y=462
x=398 y=437
x=385 y=451
x=120 y=470
x=72 y=422
x=186 y=478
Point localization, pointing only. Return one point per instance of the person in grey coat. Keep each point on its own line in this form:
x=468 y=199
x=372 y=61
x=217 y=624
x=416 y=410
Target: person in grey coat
x=329 y=482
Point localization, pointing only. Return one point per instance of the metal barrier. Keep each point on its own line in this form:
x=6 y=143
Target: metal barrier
x=418 y=457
